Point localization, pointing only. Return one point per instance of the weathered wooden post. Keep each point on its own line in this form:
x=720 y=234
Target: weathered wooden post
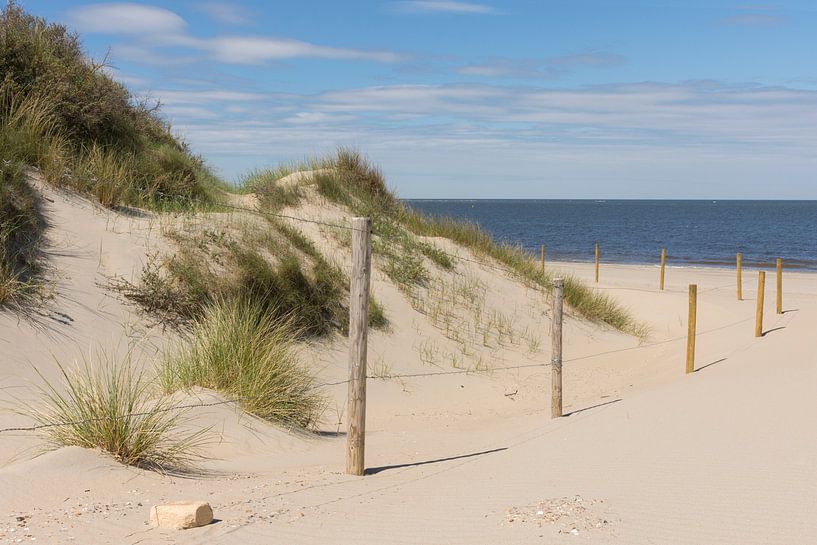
x=556 y=351
x=779 y=286
x=358 y=332
x=761 y=295
x=597 y=262
x=663 y=265
x=740 y=276
x=692 y=327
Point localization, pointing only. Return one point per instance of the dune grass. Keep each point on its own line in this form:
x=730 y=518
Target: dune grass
x=61 y=112
x=21 y=238
x=179 y=289
x=349 y=179
x=267 y=261
x=239 y=349
x=112 y=407
x=581 y=298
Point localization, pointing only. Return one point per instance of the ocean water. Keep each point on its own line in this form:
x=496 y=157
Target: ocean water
x=694 y=232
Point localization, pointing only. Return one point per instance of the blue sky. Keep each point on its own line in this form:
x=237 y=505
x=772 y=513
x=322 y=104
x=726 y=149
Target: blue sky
x=484 y=99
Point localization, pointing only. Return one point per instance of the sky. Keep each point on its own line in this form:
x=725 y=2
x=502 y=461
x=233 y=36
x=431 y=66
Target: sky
x=483 y=99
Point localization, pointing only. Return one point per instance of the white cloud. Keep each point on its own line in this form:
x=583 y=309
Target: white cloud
x=548 y=68
x=154 y=30
x=258 y=49
x=442 y=6
x=437 y=140
x=213 y=97
x=126 y=18
x=188 y=113
x=634 y=117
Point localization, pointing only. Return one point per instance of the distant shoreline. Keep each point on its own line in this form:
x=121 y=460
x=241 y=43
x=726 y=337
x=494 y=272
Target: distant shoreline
x=694 y=232
x=688 y=265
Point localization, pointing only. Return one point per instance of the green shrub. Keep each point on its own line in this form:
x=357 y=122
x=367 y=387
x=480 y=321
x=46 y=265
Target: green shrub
x=238 y=348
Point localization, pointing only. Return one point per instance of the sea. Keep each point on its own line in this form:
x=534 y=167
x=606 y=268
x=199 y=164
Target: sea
x=695 y=232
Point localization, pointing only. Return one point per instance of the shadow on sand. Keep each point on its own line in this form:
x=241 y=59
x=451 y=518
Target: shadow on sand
x=376 y=470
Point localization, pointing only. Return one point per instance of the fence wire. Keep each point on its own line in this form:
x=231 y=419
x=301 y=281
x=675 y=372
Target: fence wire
x=238 y=401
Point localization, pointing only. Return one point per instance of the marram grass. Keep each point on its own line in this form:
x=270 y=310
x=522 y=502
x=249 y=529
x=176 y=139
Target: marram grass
x=112 y=407
x=349 y=179
x=243 y=352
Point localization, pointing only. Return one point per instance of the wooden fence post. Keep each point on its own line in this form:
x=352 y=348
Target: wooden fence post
x=692 y=327
x=556 y=351
x=761 y=295
x=663 y=266
x=779 y=286
x=740 y=276
x=358 y=332
x=597 y=262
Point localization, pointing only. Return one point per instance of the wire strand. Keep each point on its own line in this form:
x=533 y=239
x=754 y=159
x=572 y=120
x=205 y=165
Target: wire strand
x=337 y=383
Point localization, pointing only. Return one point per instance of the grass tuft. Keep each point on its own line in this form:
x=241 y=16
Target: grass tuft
x=96 y=401
x=238 y=349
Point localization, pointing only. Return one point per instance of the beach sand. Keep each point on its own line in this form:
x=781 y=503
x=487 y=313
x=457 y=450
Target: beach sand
x=645 y=455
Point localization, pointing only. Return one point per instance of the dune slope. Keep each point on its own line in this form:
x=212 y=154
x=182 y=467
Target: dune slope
x=646 y=455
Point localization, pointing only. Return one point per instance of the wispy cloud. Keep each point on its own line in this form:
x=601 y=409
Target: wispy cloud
x=760 y=16
x=635 y=116
x=464 y=134
x=259 y=49
x=153 y=30
x=225 y=12
x=210 y=96
x=690 y=112
x=550 y=68
x=441 y=6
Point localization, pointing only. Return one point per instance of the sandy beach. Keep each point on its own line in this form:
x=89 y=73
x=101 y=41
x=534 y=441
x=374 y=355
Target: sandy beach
x=645 y=453
x=394 y=273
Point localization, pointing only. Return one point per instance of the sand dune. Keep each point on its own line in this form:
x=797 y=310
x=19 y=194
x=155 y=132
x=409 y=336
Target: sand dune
x=646 y=455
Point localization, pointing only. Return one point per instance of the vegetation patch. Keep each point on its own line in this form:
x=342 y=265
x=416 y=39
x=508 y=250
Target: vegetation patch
x=239 y=349
x=112 y=408
x=268 y=262
x=62 y=113
x=350 y=180
x=21 y=237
